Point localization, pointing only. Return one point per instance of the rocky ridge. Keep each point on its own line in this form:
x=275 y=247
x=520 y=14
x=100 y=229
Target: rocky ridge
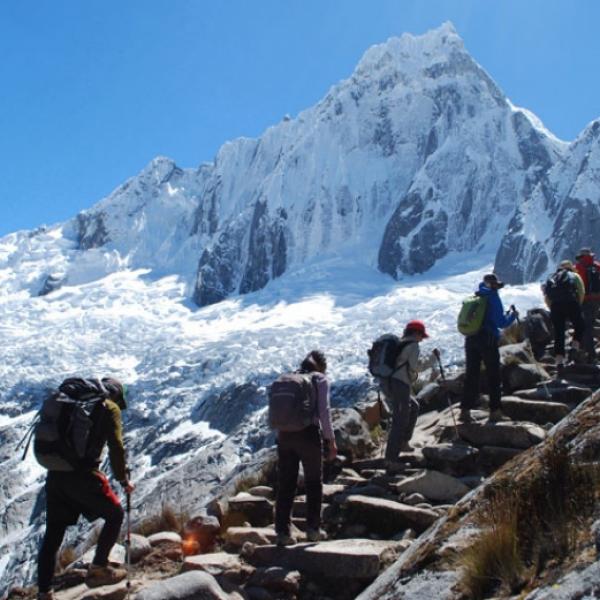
x=389 y=534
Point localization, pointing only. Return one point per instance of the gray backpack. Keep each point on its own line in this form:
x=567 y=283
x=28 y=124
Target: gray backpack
x=292 y=402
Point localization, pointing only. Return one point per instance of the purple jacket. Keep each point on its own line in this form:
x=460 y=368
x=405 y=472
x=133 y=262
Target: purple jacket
x=323 y=415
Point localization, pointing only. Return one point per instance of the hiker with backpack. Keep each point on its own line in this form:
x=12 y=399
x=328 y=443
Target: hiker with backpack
x=299 y=411
x=564 y=292
x=75 y=424
x=589 y=271
x=481 y=344
x=393 y=361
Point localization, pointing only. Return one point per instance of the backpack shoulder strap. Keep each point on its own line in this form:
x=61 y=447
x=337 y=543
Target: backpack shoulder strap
x=401 y=347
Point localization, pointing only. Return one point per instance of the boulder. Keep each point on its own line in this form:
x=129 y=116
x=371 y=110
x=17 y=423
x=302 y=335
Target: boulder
x=276 y=579
x=557 y=391
x=493 y=457
x=517 y=376
x=387 y=517
x=258 y=511
x=454 y=459
x=504 y=434
x=261 y=536
x=200 y=533
x=414 y=499
x=215 y=563
x=117 y=591
x=164 y=536
x=337 y=559
x=536 y=411
x=433 y=485
x=262 y=491
x=331 y=489
x=372 y=411
x=194 y=585
x=516 y=353
x=432 y=397
x=352 y=434
x=140 y=547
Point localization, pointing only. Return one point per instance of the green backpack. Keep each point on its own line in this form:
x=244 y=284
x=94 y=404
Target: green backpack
x=471 y=315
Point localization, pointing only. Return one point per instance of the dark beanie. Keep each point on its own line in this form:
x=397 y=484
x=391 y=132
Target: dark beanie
x=116 y=391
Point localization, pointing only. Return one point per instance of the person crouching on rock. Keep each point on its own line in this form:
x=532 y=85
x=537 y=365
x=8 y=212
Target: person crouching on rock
x=397 y=389
x=483 y=346
x=305 y=446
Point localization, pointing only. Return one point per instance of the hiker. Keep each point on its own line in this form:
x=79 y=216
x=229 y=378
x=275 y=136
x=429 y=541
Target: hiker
x=397 y=390
x=305 y=446
x=483 y=345
x=84 y=489
x=589 y=271
x=564 y=292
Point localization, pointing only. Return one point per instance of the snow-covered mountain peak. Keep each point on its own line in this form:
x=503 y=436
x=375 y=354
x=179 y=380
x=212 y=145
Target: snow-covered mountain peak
x=412 y=53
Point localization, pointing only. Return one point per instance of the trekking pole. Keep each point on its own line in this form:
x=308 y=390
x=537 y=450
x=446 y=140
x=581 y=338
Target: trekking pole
x=436 y=353
x=128 y=541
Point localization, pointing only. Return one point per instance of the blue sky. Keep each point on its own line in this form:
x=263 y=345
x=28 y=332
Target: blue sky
x=93 y=90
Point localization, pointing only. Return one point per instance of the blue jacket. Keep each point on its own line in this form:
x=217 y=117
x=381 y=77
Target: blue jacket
x=495 y=318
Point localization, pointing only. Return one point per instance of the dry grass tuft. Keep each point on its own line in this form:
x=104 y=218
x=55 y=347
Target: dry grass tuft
x=530 y=523
x=167 y=520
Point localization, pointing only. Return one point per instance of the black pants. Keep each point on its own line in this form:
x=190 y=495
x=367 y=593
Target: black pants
x=482 y=347
x=67 y=496
x=561 y=312
x=294 y=448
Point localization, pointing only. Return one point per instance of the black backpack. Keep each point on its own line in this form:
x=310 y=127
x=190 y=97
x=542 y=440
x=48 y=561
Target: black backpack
x=292 y=402
x=593 y=279
x=384 y=353
x=63 y=431
x=561 y=287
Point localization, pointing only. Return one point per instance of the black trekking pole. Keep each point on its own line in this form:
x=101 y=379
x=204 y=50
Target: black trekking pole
x=128 y=541
x=436 y=353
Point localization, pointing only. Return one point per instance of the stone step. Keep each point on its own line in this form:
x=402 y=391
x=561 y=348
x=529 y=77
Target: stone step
x=192 y=584
x=458 y=458
x=256 y=510
x=238 y=536
x=215 y=563
x=508 y=434
x=299 y=507
x=387 y=517
x=337 y=559
x=535 y=411
x=434 y=485
x=117 y=591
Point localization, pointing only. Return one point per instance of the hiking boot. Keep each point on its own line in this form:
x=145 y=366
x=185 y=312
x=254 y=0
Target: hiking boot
x=285 y=539
x=98 y=576
x=406 y=447
x=465 y=416
x=497 y=416
x=314 y=535
x=46 y=595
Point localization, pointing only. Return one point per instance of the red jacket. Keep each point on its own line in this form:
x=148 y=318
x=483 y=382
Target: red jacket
x=582 y=265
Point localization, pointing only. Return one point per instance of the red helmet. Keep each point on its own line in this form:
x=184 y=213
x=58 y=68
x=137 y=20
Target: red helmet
x=416 y=327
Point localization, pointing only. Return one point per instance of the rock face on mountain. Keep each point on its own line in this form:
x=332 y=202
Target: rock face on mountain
x=560 y=215
x=416 y=155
